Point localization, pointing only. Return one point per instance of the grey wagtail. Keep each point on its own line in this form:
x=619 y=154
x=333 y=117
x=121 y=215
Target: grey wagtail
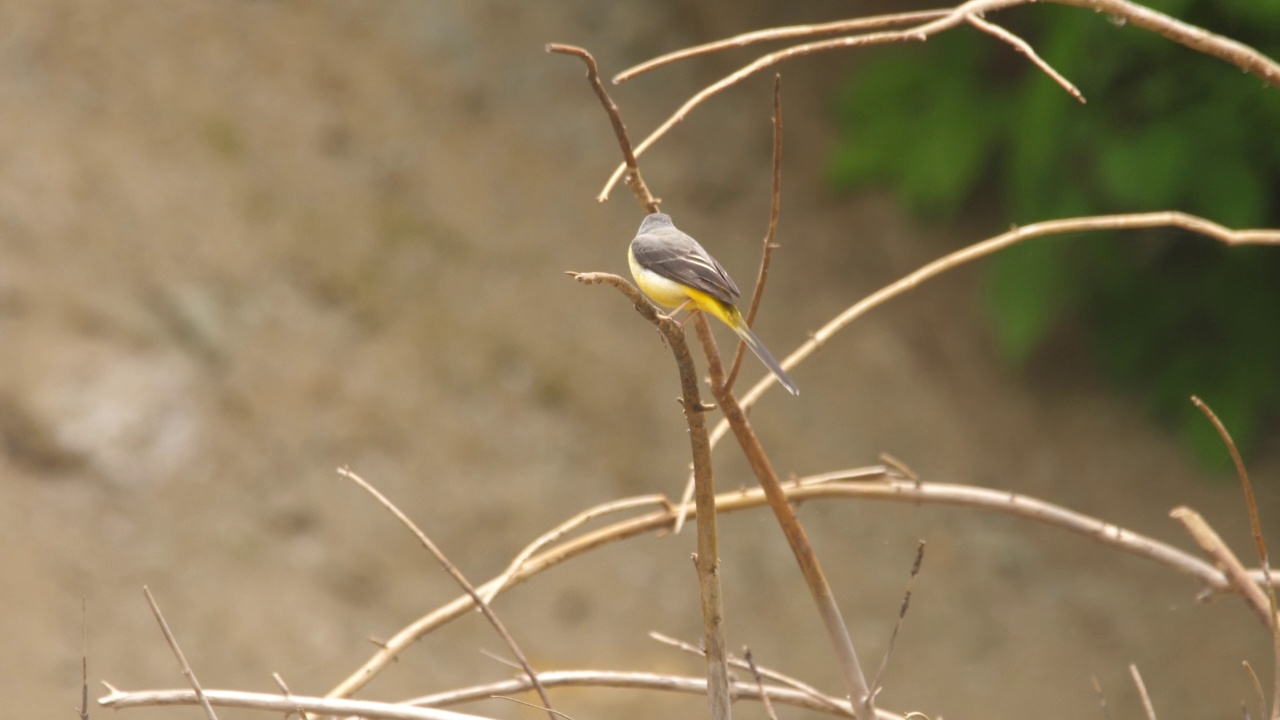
x=673 y=270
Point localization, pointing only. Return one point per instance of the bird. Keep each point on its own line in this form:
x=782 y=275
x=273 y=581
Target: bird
x=674 y=271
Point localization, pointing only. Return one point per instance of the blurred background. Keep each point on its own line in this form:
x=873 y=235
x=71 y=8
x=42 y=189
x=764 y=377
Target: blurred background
x=245 y=243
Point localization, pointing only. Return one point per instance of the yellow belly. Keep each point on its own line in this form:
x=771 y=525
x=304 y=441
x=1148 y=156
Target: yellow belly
x=669 y=293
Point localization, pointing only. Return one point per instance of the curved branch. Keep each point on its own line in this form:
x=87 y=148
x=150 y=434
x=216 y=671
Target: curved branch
x=865 y=483
x=1132 y=221
x=1236 y=53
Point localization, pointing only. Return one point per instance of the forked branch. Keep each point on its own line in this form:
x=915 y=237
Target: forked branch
x=922 y=26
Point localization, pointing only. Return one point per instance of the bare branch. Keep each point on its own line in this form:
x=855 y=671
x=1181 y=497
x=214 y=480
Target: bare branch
x=84 y=661
x=838 y=707
x=1142 y=691
x=284 y=688
x=1214 y=547
x=565 y=528
x=857 y=483
x=459 y=578
x=187 y=672
x=771 y=235
x=634 y=181
x=778 y=33
x=816 y=580
x=755 y=675
x=1198 y=39
x=707 y=559
x=902 y=615
x=1256 y=525
x=1023 y=47
x=1131 y=221
x=334 y=707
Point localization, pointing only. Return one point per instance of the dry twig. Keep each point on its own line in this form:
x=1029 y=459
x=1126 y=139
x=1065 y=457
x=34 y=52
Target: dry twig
x=755 y=675
x=1142 y=691
x=834 y=706
x=332 y=707
x=1256 y=526
x=902 y=615
x=858 y=483
x=1128 y=221
x=187 y=672
x=819 y=589
x=933 y=23
x=1023 y=47
x=1214 y=547
x=459 y=578
x=633 y=181
x=707 y=559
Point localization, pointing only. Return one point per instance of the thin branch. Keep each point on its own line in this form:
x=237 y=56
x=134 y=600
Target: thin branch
x=1142 y=691
x=1230 y=51
x=1128 y=221
x=857 y=483
x=1023 y=47
x=1102 y=698
x=707 y=559
x=1256 y=525
x=1257 y=688
x=459 y=578
x=816 y=580
x=187 y=672
x=1198 y=39
x=770 y=237
x=778 y=33
x=755 y=675
x=838 y=707
x=634 y=181
x=902 y=615
x=564 y=529
x=84 y=660
x=1214 y=547
x=284 y=688
x=333 y=707
x=428 y=707
x=762 y=277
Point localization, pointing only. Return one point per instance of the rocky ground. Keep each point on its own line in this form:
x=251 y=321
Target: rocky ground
x=245 y=243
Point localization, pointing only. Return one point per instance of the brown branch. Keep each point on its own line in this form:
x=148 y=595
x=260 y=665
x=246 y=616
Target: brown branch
x=902 y=615
x=1256 y=525
x=861 y=484
x=460 y=579
x=330 y=707
x=816 y=580
x=1025 y=49
x=634 y=181
x=1198 y=39
x=1142 y=691
x=187 y=672
x=1214 y=547
x=755 y=675
x=565 y=528
x=428 y=707
x=284 y=688
x=84 y=660
x=707 y=559
x=1102 y=698
x=835 y=706
x=1202 y=41
x=778 y=33
x=1130 y=221
x=775 y=208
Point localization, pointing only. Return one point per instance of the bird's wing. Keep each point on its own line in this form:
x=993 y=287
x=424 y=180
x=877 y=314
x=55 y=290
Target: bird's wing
x=676 y=256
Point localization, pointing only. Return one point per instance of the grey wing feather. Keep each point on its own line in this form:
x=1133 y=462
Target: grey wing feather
x=662 y=248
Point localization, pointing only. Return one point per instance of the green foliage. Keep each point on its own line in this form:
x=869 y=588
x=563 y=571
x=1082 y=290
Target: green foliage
x=964 y=120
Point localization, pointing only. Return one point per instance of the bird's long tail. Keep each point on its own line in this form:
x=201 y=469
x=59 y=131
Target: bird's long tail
x=739 y=326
